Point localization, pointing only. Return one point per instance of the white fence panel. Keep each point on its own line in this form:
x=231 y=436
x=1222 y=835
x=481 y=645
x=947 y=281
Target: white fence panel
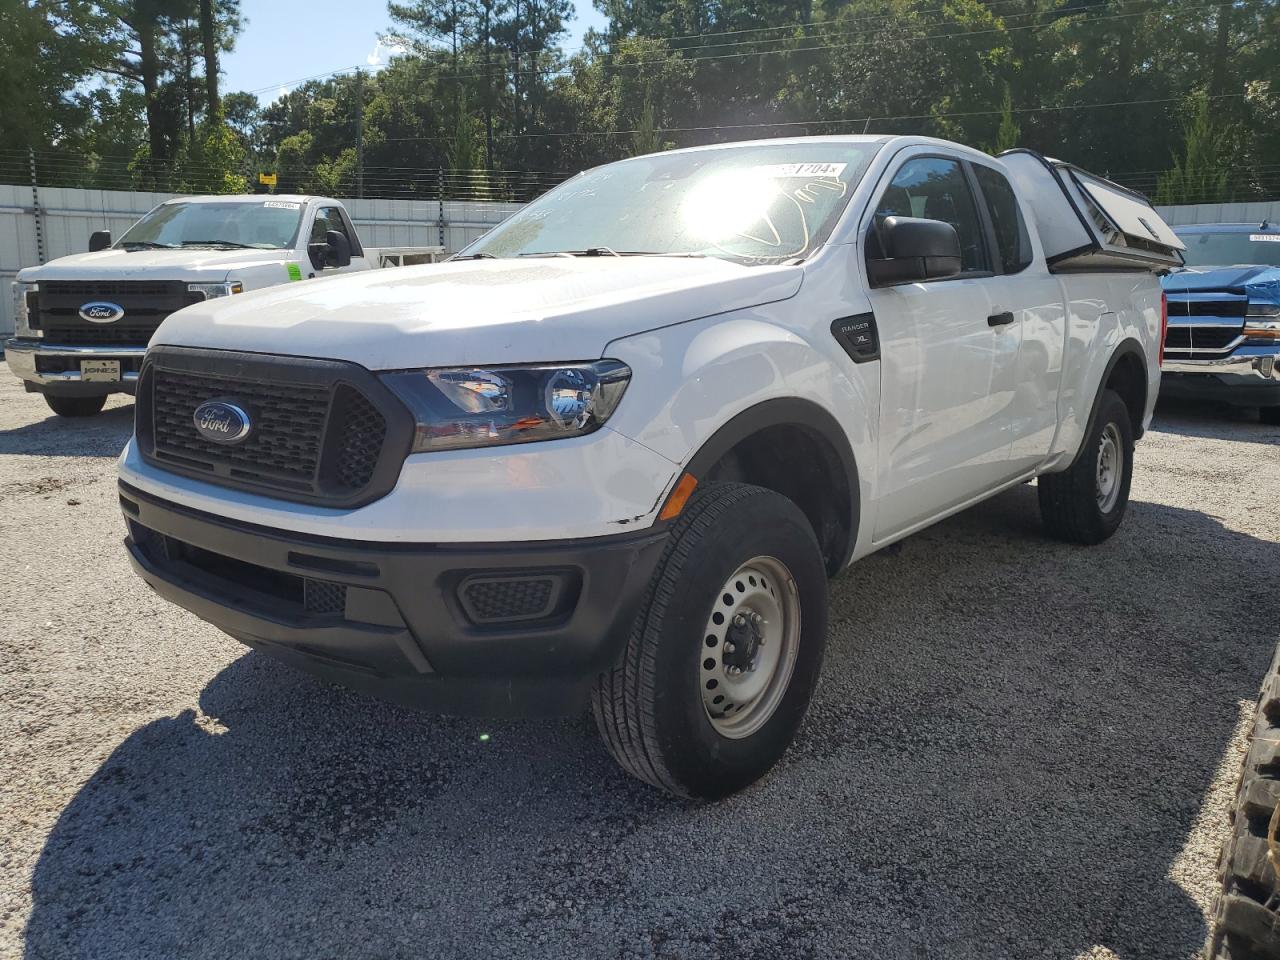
x=1221 y=213
x=68 y=216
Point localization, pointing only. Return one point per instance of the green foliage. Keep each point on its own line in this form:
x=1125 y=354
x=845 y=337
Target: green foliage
x=1009 y=134
x=1199 y=175
x=647 y=138
x=215 y=161
x=484 y=84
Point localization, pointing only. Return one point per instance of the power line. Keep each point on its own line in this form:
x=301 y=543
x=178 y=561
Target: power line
x=822 y=29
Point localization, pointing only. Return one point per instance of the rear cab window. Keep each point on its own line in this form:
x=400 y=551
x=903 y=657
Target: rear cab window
x=1013 y=242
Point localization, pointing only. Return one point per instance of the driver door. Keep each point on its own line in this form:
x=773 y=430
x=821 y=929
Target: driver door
x=948 y=358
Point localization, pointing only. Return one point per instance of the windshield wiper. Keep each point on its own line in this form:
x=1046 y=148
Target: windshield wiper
x=217 y=243
x=606 y=252
x=146 y=244
x=474 y=256
x=588 y=252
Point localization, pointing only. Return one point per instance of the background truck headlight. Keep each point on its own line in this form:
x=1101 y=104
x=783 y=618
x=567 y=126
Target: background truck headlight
x=1262 y=320
x=459 y=407
x=212 y=290
x=24 y=307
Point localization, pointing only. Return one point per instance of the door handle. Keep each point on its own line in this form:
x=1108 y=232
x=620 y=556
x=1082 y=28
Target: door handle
x=1000 y=319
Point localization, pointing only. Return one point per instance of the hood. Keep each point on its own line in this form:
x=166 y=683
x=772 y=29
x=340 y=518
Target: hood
x=193 y=263
x=478 y=312
x=1237 y=279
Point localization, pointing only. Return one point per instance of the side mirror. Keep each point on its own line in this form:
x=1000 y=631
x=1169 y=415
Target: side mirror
x=910 y=250
x=99 y=240
x=339 y=252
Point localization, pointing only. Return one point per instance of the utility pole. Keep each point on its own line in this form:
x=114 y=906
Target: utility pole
x=360 y=134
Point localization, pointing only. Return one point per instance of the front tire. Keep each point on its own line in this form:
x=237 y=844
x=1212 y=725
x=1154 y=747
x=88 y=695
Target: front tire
x=75 y=406
x=1086 y=502
x=725 y=652
x=1269 y=415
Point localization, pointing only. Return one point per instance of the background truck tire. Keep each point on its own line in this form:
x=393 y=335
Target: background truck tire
x=1246 y=918
x=75 y=406
x=1071 y=503
x=653 y=707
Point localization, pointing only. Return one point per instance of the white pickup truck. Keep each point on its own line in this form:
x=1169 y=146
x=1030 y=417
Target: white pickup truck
x=611 y=453
x=83 y=321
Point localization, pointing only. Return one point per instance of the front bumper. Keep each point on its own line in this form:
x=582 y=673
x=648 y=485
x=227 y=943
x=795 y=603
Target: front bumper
x=55 y=368
x=402 y=621
x=1250 y=375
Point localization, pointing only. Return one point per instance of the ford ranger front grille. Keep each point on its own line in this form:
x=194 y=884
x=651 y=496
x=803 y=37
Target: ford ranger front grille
x=319 y=431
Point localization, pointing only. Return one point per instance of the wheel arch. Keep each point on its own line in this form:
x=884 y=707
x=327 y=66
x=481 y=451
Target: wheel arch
x=1126 y=370
x=826 y=489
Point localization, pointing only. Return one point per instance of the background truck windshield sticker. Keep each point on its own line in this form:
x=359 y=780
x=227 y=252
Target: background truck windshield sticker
x=295 y=271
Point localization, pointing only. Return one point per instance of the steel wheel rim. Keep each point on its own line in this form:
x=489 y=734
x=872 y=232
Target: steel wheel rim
x=749 y=647
x=1110 y=467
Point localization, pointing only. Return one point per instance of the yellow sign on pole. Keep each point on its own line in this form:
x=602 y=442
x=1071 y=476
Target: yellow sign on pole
x=267 y=179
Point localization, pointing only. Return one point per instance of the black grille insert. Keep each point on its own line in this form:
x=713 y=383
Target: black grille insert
x=271 y=589
x=1233 y=307
x=1210 y=339
x=146 y=303
x=321 y=431
x=518 y=596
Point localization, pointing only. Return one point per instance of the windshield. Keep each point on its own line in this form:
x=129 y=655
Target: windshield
x=752 y=204
x=270 y=225
x=1228 y=249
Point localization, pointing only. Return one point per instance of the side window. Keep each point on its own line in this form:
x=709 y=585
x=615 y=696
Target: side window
x=328 y=218
x=1013 y=243
x=936 y=188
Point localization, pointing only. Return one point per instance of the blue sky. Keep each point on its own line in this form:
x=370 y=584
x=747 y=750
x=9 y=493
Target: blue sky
x=286 y=42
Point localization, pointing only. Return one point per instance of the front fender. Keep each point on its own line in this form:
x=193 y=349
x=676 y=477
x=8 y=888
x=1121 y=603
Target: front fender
x=690 y=380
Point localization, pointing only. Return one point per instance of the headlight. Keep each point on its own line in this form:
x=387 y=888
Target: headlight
x=25 y=307
x=457 y=407
x=1262 y=319
x=211 y=290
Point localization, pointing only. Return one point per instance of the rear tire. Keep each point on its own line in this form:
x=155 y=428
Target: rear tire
x=1269 y=415
x=1086 y=502
x=75 y=406
x=742 y=566
x=1246 y=917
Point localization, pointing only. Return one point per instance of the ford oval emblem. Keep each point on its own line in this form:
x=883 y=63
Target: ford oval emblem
x=222 y=421
x=101 y=311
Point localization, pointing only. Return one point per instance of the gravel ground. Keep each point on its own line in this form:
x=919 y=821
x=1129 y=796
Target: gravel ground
x=1019 y=749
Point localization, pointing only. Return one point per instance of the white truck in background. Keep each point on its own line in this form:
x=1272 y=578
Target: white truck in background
x=612 y=451
x=83 y=321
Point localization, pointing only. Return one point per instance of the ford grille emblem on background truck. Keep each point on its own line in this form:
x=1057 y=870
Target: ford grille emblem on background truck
x=221 y=422
x=101 y=311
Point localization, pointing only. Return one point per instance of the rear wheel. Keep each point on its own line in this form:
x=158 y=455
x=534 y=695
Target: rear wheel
x=1246 y=918
x=1270 y=415
x=724 y=655
x=1086 y=502
x=75 y=406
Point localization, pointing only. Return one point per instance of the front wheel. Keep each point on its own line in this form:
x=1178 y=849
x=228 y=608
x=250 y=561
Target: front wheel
x=724 y=655
x=1086 y=502
x=75 y=406
x=1269 y=415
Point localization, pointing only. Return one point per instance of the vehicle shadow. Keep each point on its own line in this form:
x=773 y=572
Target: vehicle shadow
x=1212 y=421
x=1010 y=747
x=103 y=435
